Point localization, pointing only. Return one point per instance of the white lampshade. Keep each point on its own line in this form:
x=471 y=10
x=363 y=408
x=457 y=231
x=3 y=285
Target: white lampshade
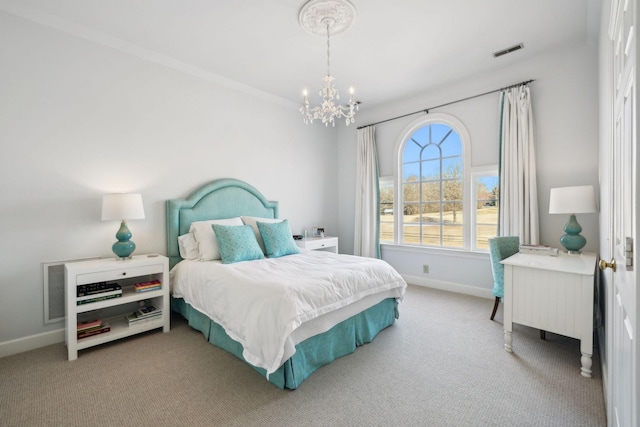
x=122 y=206
x=572 y=200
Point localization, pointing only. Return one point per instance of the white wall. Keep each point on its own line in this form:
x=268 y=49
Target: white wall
x=565 y=104
x=79 y=119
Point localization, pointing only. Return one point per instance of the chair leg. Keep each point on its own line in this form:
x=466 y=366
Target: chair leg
x=495 y=307
x=543 y=335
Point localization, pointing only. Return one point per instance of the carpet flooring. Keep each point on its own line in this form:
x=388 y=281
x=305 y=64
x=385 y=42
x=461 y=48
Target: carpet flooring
x=441 y=364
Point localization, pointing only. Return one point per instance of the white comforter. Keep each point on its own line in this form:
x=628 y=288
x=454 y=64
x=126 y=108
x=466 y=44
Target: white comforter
x=260 y=303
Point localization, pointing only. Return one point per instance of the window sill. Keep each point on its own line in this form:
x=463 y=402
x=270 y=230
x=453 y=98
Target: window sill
x=448 y=252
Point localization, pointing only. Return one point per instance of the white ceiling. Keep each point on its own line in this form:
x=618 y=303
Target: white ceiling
x=392 y=50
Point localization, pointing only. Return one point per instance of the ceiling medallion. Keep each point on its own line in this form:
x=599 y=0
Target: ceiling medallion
x=324 y=18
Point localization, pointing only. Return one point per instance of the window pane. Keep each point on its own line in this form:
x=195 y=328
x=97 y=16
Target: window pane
x=440 y=133
x=486 y=209
x=431 y=170
x=431 y=212
x=411 y=151
x=411 y=212
x=431 y=235
x=410 y=171
x=452 y=236
x=386 y=209
x=431 y=191
x=452 y=167
x=411 y=192
x=431 y=152
x=452 y=213
x=452 y=146
x=452 y=190
x=411 y=234
x=483 y=233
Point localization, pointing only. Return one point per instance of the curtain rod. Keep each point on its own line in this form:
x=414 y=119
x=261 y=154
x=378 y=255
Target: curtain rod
x=426 y=110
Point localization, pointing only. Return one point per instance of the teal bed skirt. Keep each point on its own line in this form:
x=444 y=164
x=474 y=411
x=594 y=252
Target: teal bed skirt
x=310 y=354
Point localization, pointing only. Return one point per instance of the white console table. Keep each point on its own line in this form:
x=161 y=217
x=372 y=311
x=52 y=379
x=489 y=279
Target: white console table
x=553 y=294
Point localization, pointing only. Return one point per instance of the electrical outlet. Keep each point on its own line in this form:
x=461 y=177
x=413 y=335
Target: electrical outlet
x=425 y=268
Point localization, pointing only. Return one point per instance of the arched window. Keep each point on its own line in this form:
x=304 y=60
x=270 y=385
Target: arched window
x=438 y=201
x=432 y=185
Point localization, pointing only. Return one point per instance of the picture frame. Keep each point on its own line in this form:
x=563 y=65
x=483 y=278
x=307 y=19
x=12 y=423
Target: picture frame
x=319 y=232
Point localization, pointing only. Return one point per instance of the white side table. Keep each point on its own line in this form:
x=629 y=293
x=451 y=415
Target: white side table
x=326 y=243
x=553 y=294
x=140 y=268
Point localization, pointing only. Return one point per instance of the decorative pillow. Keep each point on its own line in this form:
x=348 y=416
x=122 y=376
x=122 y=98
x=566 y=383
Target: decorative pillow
x=237 y=243
x=205 y=236
x=188 y=246
x=277 y=238
x=253 y=222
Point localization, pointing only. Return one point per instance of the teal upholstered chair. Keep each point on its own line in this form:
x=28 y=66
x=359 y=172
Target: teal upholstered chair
x=500 y=248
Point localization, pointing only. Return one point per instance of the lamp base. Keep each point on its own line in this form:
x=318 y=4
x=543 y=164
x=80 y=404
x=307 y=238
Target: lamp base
x=573 y=242
x=124 y=247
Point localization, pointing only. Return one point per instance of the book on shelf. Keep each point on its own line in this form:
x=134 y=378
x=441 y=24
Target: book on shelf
x=147 y=286
x=96 y=288
x=141 y=315
x=89 y=324
x=95 y=298
x=148 y=310
x=153 y=288
x=102 y=328
x=538 y=250
x=102 y=294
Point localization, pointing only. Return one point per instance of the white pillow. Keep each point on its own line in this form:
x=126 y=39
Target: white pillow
x=208 y=248
x=188 y=246
x=253 y=222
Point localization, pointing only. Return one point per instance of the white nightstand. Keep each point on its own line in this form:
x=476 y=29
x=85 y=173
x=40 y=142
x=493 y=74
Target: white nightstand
x=127 y=273
x=329 y=244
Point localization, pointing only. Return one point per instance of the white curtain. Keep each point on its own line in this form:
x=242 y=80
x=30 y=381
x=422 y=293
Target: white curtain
x=518 y=214
x=367 y=217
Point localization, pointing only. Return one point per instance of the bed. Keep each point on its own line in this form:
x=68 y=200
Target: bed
x=284 y=315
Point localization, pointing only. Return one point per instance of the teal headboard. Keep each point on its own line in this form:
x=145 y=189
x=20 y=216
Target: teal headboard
x=222 y=198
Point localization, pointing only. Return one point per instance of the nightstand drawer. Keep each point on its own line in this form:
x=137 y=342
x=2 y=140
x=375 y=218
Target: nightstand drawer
x=120 y=273
x=319 y=243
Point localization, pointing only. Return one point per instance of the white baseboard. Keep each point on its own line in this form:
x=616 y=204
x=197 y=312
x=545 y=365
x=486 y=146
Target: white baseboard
x=32 y=342
x=449 y=286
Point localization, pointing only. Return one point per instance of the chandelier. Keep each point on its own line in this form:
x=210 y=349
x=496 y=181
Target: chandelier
x=320 y=17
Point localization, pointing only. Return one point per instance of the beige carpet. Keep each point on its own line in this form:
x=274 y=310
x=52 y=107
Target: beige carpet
x=441 y=364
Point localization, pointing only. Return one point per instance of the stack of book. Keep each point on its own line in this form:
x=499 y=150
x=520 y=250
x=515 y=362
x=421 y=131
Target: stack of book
x=148 y=286
x=538 y=250
x=143 y=314
x=93 y=292
x=92 y=327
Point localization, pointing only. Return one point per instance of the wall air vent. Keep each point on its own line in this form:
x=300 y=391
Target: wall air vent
x=508 y=50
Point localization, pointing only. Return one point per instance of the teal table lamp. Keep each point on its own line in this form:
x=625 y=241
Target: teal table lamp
x=122 y=207
x=572 y=201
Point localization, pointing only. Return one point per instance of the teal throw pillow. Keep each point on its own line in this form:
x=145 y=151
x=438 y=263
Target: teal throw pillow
x=277 y=238
x=237 y=243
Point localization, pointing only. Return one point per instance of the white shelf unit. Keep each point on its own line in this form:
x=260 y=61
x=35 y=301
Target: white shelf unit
x=140 y=268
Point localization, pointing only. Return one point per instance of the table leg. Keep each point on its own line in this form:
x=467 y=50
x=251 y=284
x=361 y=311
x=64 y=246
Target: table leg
x=585 y=370
x=508 y=339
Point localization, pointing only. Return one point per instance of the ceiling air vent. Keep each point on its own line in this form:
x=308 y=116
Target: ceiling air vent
x=508 y=50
